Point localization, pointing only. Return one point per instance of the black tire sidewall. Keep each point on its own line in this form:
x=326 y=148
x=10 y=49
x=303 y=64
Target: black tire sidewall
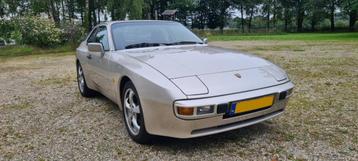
x=143 y=137
x=86 y=91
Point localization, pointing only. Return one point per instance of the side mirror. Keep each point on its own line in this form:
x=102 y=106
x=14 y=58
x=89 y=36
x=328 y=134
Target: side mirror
x=205 y=40
x=96 y=48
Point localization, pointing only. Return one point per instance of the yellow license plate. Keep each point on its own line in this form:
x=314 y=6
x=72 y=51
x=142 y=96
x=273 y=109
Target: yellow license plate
x=254 y=104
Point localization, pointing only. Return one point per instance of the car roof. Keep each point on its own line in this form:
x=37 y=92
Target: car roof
x=134 y=21
x=142 y=21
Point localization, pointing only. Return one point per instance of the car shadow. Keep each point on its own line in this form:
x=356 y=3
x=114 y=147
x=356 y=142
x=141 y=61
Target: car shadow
x=242 y=136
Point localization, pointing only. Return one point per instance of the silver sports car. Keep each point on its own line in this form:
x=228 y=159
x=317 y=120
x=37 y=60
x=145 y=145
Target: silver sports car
x=169 y=82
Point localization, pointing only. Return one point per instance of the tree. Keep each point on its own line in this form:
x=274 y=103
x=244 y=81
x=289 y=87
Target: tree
x=135 y=9
x=200 y=14
x=350 y=7
x=218 y=13
x=2 y=8
x=267 y=4
x=331 y=7
x=80 y=8
x=316 y=13
x=288 y=7
x=241 y=5
x=300 y=13
x=117 y=9
x=71 y=9
x=185 y=8
x=54 y=11
x=251 y=8
x=90 y=14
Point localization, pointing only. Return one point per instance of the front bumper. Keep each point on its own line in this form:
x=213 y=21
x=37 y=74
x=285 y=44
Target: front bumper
x=161 y=120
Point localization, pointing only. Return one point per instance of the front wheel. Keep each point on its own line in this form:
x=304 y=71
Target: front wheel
x=82 y=85
x=133 y=115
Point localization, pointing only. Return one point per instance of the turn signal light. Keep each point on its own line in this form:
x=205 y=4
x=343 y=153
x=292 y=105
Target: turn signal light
x=185 y=111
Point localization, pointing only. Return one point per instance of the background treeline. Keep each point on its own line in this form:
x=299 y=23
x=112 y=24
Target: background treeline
x=74 y=17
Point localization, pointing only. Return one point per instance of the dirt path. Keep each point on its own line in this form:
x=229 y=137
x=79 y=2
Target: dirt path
x=43 y=117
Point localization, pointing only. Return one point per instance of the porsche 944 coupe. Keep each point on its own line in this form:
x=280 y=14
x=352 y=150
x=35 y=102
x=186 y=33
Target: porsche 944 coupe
x=169 y=82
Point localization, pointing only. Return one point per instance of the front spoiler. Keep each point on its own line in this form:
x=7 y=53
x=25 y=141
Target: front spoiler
x=160 y=119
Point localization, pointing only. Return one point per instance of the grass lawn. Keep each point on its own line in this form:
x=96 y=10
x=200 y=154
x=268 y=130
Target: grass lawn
x=289 y=36
x=43 y=116
x=23 y=50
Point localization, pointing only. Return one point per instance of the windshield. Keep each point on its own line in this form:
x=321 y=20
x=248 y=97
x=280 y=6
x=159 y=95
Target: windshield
x=130 y=35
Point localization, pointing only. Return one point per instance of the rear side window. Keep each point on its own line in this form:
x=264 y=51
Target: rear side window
x=100 y=35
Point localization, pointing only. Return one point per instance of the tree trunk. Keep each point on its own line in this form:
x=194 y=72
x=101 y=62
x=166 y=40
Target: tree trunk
x=250 y=18
x=93 y=11
x=313 y=25
x=54 y=12
x=242 y=17
x=332 y=9
x=82 y=17
x=274 y=14
x=89 y=14
x=352 y=19
x=300 y=16
x=71 y=12
x=286 y=19
x=63 y=11
x=99 y=15
x=268 y=18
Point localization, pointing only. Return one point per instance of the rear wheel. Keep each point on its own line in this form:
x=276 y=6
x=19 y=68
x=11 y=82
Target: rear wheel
x=82 y=85
x=133 y=115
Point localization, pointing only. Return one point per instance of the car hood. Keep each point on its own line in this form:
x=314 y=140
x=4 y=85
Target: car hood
x=197 y=60
x=199 y=70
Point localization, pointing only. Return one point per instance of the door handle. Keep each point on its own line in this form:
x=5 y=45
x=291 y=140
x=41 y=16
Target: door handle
x=89 y=56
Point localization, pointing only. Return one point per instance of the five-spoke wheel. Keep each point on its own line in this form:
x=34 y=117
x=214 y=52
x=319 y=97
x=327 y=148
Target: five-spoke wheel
x=82 y=85
x=133 y=114
x=132 y=111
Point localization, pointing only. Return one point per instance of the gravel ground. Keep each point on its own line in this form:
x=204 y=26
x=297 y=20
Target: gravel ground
x=43 y=117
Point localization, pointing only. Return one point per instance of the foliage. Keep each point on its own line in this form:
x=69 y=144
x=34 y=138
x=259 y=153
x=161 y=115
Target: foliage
x=67 y=20
x=38 y=32
x=6 y=29
x=72 y=33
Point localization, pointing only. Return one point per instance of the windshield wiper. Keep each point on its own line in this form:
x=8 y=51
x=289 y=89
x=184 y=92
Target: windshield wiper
x=184 y=43
x=143 y=45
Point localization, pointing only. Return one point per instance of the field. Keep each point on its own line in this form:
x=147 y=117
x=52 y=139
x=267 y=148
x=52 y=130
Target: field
x=288 y=36
x=43 y=116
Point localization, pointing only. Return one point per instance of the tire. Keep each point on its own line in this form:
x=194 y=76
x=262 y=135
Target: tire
x=82 y=85
x=133 y=115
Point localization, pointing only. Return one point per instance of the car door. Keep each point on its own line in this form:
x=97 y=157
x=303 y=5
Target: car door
x=87 y=62
x=99 y=62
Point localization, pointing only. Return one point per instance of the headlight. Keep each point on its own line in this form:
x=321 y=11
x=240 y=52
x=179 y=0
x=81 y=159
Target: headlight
x=204 y=110
x=195 y=112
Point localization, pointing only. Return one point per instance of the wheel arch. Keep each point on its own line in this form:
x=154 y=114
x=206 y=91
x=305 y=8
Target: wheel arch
x=122 y=82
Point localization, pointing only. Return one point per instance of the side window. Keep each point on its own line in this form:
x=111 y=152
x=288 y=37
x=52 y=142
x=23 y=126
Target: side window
x=102 y=37
x=92 y=37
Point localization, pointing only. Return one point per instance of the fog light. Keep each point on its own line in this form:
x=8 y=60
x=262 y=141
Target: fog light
x=222 y=108
x=185 y=111
x=204 y=110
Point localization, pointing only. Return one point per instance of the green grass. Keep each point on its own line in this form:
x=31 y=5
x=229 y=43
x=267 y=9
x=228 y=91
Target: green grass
x=292 y=36
x=23 y=50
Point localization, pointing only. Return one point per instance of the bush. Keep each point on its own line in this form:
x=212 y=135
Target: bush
x=37 y=31
x=6 y=29
x=73 y=33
